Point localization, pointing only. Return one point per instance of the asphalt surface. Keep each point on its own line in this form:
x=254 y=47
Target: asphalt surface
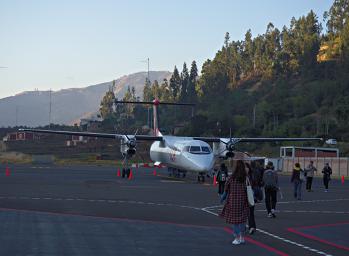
x=78 y=210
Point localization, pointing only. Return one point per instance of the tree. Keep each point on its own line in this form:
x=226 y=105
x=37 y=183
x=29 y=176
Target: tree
x=175 y=84
x=337 y=16
x=147 y=92
x=107 y=105
x=192 y=95
x=184 y=83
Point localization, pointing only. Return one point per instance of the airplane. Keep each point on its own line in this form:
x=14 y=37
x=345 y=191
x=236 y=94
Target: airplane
x=179 y=154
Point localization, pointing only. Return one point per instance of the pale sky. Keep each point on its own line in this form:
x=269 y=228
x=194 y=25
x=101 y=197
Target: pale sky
x=75 y=43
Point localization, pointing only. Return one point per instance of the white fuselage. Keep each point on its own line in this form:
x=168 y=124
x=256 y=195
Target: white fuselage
x=185 y=154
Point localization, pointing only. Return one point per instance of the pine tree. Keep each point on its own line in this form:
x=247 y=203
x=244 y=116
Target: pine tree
x=192 y=95
x=184 y=83
x=107 y=105
x=175 y=84
x=147 y=92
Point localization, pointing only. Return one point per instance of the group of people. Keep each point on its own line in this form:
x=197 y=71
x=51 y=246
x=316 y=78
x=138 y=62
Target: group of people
x=299 y=175
x=233 y=190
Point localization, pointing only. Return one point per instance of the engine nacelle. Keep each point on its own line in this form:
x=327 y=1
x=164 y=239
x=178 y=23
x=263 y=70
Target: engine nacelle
x=223 y=150
x=128 y=146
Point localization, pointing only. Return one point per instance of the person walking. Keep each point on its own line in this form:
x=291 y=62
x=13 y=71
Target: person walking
x=327 y=171
x=235 y=210
x=297 y=180
x=222 y=176
x=309 y=171
x=271 y=186
x=255 y=178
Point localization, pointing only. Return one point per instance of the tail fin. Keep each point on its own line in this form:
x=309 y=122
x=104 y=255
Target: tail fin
x=156 y=104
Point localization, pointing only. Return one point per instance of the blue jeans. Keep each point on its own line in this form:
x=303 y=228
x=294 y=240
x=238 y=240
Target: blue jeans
x=298 y=189
x=239 y=229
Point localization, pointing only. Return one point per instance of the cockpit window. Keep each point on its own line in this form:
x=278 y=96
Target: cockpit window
x=206 y=150
x=195 y=149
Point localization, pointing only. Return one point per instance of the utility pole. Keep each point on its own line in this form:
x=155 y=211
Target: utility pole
x=16 y=116
x=254 y=116
x=50 y=110
x=148 y=83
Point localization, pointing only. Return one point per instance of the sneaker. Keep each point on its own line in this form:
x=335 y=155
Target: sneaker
x=326 y=190
x=242 y=240
x=270 y=215
x=251 y=231
x=236 y=241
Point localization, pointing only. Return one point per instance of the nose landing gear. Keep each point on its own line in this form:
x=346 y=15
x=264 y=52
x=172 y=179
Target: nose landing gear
x=201 y=177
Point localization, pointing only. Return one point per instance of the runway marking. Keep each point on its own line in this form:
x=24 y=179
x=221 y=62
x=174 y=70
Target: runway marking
x=103 y=201
x=293 y=202
x=312 y=237
x=267 y=247
x=310 y=211
x=206 y=209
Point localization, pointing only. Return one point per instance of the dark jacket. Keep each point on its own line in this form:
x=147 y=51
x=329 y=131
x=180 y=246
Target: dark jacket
x=327 y=171
x=296 y=175
x=222 y=173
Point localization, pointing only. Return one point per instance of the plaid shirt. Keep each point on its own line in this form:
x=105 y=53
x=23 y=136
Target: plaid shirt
x=235 y=210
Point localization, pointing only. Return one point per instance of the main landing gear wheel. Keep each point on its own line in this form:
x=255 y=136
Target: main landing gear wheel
x=201 y=178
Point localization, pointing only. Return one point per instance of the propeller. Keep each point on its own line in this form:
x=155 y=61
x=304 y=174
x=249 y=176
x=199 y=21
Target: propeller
x=131 y=141
x=230 y=145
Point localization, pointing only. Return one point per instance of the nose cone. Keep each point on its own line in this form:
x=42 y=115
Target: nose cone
x=204 y=163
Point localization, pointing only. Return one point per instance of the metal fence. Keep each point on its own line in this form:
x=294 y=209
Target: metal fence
x=340 y=165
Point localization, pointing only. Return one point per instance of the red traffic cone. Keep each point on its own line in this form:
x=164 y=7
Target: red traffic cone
x=343 y=179
x=118 y=173
x=7 y=172
x=131 y=175
x=214 y=180
x=154 y=172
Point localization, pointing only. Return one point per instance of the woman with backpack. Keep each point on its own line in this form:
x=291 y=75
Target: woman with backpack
x=297 y=179
x=327 y=171
x=271 y=187
x=236 y=208
x=222 y=176
x=255 y=178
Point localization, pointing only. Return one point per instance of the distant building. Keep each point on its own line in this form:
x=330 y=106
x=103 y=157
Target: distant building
x=90 y=124
x=21 y=136
x=308 y=152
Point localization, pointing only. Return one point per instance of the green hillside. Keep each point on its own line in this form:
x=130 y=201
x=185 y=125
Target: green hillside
x=275 y=84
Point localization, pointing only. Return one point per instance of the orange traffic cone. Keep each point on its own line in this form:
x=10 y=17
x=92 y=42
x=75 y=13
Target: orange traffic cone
x=131 y=175
x=7 y=172
x=342 y=179
x=154 y=172
x=214 y=180
x=118 y=173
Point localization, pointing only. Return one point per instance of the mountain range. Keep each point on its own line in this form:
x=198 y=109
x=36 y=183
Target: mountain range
x=31 y=108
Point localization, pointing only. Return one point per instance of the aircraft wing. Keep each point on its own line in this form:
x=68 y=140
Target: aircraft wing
x=236 y=140
x=96 y=135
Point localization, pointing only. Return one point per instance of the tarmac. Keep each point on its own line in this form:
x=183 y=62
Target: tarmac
x=89 y=210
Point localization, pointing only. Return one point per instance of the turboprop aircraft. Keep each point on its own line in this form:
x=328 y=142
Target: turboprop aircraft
x=179 y=154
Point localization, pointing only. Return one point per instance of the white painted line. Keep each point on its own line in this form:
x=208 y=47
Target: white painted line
x=304 y=211
x=278 y=237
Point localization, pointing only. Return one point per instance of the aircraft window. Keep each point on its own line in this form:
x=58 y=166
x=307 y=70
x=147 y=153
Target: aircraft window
x=206 y=150
x=195 y=149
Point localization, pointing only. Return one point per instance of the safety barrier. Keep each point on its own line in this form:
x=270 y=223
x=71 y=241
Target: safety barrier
x=340 y=165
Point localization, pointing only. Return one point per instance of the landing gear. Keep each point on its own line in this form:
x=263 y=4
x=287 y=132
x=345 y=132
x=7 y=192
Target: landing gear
x=125 y=167
x=173 y=172
x=126 y=172
x=201 y=178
